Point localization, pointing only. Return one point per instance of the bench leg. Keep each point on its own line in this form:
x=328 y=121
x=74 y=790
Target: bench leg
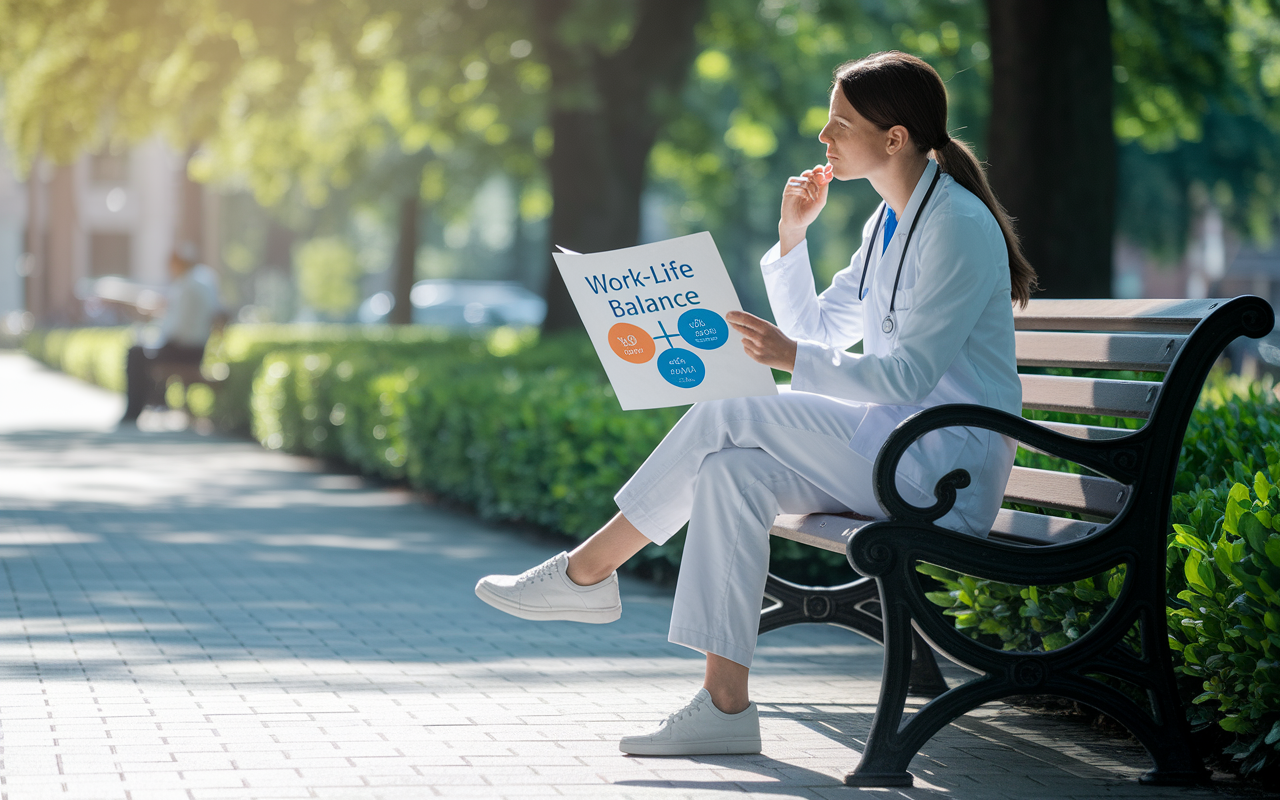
x=855 y=606
x=885 y=758
x=1162 y=729
x=926 y=679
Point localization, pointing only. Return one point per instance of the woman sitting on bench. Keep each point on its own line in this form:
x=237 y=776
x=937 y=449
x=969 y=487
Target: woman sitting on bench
x=929 y=294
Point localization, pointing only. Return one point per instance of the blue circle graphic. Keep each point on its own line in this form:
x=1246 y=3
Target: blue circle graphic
x=681 y=368
x=705 y=330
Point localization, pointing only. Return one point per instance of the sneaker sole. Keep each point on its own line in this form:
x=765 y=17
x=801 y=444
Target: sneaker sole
x=590 y=616
x=715 y=747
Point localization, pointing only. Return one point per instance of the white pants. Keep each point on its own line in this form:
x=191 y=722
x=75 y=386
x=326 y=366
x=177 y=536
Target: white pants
x=728 y=468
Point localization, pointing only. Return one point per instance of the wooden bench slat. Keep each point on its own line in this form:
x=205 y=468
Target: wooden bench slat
x=1027 y=528
x=1083 y=494
x=1090 y=432
x=827 y=531
x=1089 y=395
x=1114 y=351
x=832 y=532
x=1155 y=316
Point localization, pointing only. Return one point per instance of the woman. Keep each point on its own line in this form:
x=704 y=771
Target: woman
x=931 y=299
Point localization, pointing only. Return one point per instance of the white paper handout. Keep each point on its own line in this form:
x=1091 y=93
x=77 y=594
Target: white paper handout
x=655 y=314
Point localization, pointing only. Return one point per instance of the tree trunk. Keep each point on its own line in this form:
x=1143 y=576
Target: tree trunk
x=60 y=267
x=406 y=259
x=34 y=293
x=1050 y=143
x=191 y=225
x=606 y=111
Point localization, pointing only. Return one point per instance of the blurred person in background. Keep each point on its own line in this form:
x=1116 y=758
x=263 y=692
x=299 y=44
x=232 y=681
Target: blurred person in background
x=190 y=309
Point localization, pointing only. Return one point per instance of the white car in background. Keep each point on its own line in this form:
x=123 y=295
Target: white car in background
x=461 y=304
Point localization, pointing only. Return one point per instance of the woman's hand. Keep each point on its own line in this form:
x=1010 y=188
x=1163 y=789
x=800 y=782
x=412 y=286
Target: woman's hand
x=764 y=341
x=802 y=200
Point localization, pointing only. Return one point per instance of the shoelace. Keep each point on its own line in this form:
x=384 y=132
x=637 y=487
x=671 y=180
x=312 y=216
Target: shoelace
x=541 y=572
x=687 y=711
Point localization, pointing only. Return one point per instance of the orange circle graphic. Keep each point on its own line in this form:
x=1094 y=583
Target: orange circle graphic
x=631 y=343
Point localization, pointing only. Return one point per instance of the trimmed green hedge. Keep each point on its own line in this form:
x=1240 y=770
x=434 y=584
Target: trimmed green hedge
x=529 y=431
x=95 y=355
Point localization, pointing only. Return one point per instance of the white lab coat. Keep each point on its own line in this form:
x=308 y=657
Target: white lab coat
x=191 y=302
x=730 y=466
x=952 y=339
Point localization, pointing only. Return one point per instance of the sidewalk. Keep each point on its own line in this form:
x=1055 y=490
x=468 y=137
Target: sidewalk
x=195 y=617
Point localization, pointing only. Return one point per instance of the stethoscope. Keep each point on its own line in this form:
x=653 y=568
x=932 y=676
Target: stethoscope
x=887 y=324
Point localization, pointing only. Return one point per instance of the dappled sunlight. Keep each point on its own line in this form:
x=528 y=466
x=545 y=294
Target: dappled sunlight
x=187 y=609
x=38 y=537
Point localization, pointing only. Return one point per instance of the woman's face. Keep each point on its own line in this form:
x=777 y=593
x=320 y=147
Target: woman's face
x=855 y=147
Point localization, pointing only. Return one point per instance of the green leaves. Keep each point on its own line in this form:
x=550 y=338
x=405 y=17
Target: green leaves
x=1199 y=575
x=1023 y=618
x=1273 y=549
x=1229 y=632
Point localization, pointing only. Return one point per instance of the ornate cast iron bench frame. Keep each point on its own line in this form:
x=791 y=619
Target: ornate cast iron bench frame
x=888 y=605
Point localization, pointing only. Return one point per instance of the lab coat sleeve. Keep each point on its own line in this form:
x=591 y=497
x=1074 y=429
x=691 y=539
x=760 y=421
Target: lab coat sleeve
x=833 y=318
x=182 y=308
x=958 y=273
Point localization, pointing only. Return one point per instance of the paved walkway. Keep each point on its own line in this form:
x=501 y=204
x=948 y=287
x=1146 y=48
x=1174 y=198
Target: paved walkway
x=193 y=617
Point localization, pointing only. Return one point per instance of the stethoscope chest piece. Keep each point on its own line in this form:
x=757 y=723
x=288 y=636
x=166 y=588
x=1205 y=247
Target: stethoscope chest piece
x=887 y=325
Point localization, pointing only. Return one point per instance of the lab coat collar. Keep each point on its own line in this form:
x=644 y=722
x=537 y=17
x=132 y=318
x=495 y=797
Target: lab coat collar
x=908 y=215
x=913 y=205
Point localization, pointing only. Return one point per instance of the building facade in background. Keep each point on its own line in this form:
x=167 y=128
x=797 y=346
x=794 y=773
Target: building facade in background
x=13 y=220
x=109 y=214
x=1216 y=263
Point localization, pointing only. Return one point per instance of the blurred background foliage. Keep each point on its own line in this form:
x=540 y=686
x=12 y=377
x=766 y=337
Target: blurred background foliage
x=404 y=128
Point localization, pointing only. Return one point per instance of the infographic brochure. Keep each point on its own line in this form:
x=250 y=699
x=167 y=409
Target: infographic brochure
x=655 y=313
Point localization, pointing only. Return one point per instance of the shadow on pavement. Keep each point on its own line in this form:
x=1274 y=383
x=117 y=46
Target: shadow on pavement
x=158 y=548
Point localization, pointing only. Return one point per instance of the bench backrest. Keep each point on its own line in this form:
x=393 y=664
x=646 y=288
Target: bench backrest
x=1105 y=335
x=1176 y=339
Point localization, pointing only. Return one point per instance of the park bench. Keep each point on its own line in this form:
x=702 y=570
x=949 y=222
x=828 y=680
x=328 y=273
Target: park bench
x=164 y=371
x=1124 y=508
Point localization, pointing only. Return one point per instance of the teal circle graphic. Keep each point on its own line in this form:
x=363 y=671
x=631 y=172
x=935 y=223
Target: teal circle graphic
x=681 y=368
x=704 y=329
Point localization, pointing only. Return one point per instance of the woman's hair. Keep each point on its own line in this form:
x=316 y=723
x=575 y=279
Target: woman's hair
x=894 y=88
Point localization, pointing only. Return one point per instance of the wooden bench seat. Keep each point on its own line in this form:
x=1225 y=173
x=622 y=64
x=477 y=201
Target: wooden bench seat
x=1123 y=503
x=185 y=372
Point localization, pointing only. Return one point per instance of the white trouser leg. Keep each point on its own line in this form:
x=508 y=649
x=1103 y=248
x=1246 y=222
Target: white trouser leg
x=808 y=433
x=788 y=452
x=737 y=494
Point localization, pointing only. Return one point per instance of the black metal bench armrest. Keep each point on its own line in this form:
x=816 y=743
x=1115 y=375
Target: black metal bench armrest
x=882 y=547
x=1118 y=458
x=1124 y=459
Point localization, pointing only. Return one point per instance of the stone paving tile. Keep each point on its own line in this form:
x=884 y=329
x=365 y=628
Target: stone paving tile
x=194 y=617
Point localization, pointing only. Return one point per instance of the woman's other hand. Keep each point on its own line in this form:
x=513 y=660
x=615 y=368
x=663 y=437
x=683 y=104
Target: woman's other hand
x=803 y=198
x=764 y=341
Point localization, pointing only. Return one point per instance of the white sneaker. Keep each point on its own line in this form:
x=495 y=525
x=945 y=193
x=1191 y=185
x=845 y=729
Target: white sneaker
x=546 y=593
x=699 y=729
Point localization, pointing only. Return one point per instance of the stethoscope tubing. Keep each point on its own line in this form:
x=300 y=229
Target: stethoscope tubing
x=887 y=324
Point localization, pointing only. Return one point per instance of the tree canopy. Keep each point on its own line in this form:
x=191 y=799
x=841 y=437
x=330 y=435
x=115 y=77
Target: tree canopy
x=588 y=106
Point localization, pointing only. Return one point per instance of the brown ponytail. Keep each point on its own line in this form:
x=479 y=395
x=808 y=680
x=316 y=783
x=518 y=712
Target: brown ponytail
x=894 y=88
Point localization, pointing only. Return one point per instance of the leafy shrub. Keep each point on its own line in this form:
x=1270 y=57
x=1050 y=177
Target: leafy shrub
x=1023 y=618
x=95 y=355
x=235 y=358
x=1227 y=628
